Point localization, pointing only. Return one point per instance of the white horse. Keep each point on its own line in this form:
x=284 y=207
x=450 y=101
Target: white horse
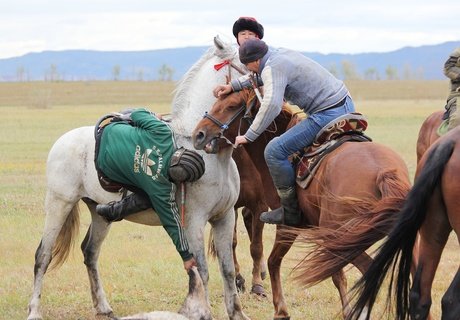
x=71 y=177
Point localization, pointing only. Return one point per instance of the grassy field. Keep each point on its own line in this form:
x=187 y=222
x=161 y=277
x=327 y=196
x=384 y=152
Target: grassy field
x=136 y=276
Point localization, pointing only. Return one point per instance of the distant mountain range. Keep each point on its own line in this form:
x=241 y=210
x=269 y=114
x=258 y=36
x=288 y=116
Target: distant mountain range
x=423 y=62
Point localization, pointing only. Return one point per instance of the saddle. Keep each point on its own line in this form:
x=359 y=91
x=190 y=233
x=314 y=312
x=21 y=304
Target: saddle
x=106 y=183
x=346 y=128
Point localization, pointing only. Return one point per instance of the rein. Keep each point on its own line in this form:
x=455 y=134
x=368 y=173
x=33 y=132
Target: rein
x=224 y=126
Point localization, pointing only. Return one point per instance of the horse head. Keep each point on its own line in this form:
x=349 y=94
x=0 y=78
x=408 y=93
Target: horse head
x=194 y=92
x=232 y=116
x=224 y=121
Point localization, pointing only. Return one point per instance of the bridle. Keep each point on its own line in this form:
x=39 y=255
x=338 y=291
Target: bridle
x=224 y=126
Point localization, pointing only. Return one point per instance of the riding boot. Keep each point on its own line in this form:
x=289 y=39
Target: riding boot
x=117 y=210
x=289 y=212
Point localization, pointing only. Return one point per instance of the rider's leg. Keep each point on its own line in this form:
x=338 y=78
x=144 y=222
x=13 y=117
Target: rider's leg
x=116 y=211
x=283 y=173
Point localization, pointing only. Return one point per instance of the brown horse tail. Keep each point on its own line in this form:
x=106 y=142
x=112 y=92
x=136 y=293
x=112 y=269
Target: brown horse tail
x=330 y=250
x=66 y=238
x=401 y=240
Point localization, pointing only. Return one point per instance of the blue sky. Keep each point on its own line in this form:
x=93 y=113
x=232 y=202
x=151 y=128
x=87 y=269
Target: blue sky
x=304 y=25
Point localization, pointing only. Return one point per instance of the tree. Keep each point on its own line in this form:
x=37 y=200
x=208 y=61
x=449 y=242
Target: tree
x=349 y=70
x=52 y=73
x=20 y=74
x=371 y=74
x=116 y=70
x=165 y=73
x=391 y=73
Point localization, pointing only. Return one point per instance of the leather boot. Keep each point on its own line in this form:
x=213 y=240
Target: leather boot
x=117 y=210
x=289 y=212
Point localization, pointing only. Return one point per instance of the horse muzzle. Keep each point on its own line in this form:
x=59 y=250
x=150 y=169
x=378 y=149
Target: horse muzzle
x=203 y=142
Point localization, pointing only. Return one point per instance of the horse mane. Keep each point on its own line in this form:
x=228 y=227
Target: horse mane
x=181 y=90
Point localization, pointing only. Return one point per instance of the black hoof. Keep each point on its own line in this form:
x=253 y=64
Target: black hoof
x=239 y=281
x=258 y=290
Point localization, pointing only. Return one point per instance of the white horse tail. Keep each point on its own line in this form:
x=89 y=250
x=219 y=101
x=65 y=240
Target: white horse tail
x=66 y=238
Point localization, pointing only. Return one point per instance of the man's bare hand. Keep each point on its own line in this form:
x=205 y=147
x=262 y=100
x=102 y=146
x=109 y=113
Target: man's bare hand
x=222 y=90
x=189 y=264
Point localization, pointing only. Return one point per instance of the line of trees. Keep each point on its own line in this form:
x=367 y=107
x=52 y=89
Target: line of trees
x=347 y=71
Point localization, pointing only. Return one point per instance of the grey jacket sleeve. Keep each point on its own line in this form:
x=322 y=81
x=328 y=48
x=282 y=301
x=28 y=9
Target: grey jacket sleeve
x=272 y=102
x=245 y=82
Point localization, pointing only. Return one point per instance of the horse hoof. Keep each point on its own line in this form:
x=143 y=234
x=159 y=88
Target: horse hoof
x=284 y=318
x=258 y=289
x=239 y=281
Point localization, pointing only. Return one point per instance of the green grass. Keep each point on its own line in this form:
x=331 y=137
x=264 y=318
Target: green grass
x=137 y=276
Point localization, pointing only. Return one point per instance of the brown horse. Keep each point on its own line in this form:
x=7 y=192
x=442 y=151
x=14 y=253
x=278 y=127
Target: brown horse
x=428 y=133
x=257 y=194
x=432 y=211
x=252 y=199
x=358 y=184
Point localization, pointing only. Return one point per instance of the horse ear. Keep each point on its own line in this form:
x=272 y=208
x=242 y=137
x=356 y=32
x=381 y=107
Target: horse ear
x=218 y=42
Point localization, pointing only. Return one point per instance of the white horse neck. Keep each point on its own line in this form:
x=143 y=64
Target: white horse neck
x=193 y=95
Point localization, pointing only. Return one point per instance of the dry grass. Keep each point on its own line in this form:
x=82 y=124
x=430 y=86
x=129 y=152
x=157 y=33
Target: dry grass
x=136 y=276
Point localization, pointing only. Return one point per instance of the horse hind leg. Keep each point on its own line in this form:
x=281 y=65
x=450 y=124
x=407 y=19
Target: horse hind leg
x=59 y=213
x=451 y=300
x=91 y=247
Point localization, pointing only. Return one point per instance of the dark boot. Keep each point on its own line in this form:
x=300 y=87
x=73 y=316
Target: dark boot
x=289 y=212
x=117 y=210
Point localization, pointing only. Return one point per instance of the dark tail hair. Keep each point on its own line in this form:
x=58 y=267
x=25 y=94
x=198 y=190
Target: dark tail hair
x=401 y=240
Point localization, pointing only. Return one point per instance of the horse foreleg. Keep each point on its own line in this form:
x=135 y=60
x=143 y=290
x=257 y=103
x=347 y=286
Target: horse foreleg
x=279 y=250
x=90 y=247
x=255 y=229
x=223 y=235
x=239 y=279
x=57 y=211
x=195 y=236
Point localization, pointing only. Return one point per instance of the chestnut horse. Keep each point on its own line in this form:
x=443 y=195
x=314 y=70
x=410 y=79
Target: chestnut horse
x=431 y=211
x=358 y=184
x=428 y=133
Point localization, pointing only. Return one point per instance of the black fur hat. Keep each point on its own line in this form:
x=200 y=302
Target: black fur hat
x=248 y=23
x=252 y=50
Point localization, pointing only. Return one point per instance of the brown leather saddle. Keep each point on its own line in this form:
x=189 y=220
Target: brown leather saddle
x=349 y=127
x=106 y=183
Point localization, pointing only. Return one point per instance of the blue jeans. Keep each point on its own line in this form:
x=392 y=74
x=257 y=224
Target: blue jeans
x=295 y=139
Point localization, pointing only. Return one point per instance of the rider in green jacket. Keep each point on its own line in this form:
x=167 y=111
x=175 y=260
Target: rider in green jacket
x=137 y=152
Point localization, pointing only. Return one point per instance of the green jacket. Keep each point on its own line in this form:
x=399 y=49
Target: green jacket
x=139 y=155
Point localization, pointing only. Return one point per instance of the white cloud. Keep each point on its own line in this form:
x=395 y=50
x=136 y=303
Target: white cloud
x=327 y=26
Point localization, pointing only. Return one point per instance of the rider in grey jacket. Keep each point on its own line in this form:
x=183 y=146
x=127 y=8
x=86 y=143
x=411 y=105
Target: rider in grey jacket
x=288 y=75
